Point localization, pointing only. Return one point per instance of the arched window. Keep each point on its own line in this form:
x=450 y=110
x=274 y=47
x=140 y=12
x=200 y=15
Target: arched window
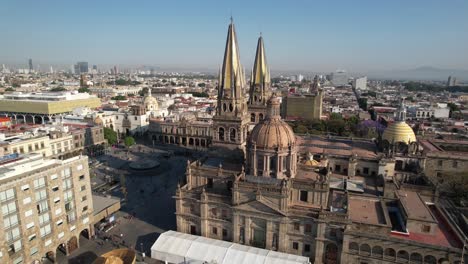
x=430 y=259
x=389 y=253
x=221 y=133
x=416 y=258
x=365 y=250
x=232 y=134
x=402 y=255
x=353 y=247
x=260 y=117
x=252 y=117
x=231 y=108
x=377 y=251
x=224 y=107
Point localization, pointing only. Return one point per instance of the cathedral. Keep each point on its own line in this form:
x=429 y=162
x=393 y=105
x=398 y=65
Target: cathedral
x=333 y=200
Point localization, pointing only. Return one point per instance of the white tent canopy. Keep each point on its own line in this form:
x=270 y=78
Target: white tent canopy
x=180 y=248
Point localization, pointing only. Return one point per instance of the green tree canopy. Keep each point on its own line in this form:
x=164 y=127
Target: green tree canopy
x=143 y=91
x=9 y=89
x=202 y=94
x=119 y=98
x=201 y=85
x=83 y=90
x=58 y=89
x=129 y=141
x=335 y=116
x=110 y=135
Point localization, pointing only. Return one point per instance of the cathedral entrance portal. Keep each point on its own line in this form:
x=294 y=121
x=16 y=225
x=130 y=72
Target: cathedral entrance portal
x=259 y=237
x=331 y=254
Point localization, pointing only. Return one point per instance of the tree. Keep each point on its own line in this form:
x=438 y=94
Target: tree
x=335 y=116
x=202 y=94
x=58 y=89
x=119 y=98
x=9 y=89
x=110 y=135
x=129 y=141
x=83 y=90
x=454 y=110
x=362 y=103
x=201 y=85
x=143 y=91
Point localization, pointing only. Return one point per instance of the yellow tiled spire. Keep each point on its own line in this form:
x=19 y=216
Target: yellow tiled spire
x=261 y=73
x=232 y=77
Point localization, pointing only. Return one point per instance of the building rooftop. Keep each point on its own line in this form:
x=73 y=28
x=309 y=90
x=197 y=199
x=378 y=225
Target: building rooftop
x=338 y=146
x=364 y=209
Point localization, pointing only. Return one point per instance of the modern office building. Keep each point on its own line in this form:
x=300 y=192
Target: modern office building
x=452 y=81
x=46 y=205
x=339 y=78
x=81 y=67
x=360 y=83
x=31 y=68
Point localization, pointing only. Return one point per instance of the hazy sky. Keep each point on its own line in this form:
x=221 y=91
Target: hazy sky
x=299 y=35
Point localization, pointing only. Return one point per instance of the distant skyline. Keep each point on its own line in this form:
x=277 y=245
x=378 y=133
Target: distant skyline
x=308 y=36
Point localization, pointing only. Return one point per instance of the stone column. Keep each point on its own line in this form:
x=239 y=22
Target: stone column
x=319 y=242
x=254 y=160
x=269 y=235
x=266 y=165
x=235 y=227
x=248 y=223
x=283 y=240
x=204 y=214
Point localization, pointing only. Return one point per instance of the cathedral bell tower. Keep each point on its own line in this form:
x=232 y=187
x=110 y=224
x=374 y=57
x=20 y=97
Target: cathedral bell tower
x=260 y=85
x=231 y=120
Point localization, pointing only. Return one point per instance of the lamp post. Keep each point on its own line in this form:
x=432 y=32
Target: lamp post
x=142 y=253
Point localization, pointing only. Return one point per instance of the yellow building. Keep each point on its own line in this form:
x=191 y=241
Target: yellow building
x=41 y=106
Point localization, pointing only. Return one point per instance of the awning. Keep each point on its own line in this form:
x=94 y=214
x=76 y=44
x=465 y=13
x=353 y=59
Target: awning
x=180 y=248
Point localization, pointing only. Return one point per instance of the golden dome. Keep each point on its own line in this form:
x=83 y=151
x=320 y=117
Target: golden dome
x=272 y=132
x=117 y=256
x=98 y=120
x=399 y=132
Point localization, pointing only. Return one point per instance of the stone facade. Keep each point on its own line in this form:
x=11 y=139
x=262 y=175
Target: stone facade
x=46 y=204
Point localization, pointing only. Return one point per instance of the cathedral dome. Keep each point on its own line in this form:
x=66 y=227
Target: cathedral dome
x=399 y=132
x=272 y=132
x=98 y=121
x=150 y=103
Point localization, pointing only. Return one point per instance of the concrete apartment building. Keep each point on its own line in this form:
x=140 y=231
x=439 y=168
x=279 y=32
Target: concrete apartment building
x=46 y=205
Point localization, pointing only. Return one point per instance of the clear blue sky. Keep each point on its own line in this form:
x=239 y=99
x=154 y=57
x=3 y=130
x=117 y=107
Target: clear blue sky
x=299 y=35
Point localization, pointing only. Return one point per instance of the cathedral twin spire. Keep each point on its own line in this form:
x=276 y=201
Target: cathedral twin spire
x=231 y=78
x=231 y=75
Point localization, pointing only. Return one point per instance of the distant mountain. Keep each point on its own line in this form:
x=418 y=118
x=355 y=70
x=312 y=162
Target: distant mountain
x=422 y=73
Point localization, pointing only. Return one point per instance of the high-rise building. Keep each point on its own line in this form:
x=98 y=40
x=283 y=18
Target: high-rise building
x=81 y=67
x=30 y=65
x=452 y=81
x=260 y=85
x=360 y=83
x=300 y=77
x=115 y=70
x=339 y=78
x=231 y=121
x=46 y=205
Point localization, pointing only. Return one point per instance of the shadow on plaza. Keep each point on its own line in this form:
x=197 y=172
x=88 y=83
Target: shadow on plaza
x=144 y=243
x=84 y=258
